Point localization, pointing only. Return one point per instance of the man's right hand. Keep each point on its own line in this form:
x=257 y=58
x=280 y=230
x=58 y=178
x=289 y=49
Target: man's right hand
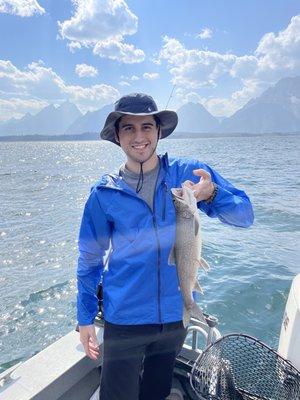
x=89 y=341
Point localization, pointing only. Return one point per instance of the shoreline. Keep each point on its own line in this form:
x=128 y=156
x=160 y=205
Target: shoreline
x=95 y=136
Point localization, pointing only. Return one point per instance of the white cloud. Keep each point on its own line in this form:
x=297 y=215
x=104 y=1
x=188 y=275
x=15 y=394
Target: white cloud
x=217 y=106
x=124 y=83
x=277 y=56
x=127 y=80
x=35 y=79
x=73 y=46
x=98 y=20
x=194 y=68
x=185 y=97
x=205 y=33
x=155 y=60
x=102 y=24
x=15 y=107
x=22 y=8
x=220 y=107
x=244 y=67
x=90 y=98
x=193 y=98
x=250 y=89
x=37 y=83
x=151 y=76
x=117 y=50
x=84 y=70
x=172 y=51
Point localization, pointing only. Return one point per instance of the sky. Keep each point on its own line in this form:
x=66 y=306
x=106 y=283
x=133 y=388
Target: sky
x=220 y=53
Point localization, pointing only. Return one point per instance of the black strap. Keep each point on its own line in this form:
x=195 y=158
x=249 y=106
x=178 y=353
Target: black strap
x=141 y=180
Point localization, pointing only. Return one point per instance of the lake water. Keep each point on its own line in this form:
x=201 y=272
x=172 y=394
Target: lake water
x=43 y=189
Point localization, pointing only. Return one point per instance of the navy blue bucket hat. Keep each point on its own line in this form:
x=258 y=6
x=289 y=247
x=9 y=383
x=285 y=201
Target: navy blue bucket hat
x=138 y=104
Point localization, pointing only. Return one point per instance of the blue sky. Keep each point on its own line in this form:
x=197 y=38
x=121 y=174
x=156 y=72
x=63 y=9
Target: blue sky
x=218 y=53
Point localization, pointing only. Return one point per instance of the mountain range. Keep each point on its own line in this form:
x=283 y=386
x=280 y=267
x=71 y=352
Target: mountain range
x=50 y=120
x=276 y=110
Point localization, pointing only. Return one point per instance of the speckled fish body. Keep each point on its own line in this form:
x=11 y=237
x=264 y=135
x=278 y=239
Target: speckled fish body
x=186 y=254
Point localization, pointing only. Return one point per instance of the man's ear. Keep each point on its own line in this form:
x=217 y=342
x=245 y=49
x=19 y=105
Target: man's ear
x=117 y=138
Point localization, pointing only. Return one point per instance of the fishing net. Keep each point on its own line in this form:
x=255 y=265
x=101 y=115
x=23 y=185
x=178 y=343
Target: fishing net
x=239 y=367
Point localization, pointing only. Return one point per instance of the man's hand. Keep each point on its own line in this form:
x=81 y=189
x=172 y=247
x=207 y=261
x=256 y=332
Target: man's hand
x=204 y=189
x=89 y=341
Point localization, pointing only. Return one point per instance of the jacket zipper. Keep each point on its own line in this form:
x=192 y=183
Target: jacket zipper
x=158 y=269
x=164 y=200
x=158 y=253
x=157 y=237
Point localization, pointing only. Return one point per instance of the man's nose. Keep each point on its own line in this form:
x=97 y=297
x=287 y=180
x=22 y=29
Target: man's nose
x=139 y=134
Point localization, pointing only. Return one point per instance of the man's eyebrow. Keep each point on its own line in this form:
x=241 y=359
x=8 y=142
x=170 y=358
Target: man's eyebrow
x=126 y=124
x=129 y=124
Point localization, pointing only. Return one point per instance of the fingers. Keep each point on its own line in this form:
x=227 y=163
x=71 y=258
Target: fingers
x=94 y=339
x=188 y=184
x=87 y=350
x=204 y=188
x=89 y=341
x=93 y=349
x=202 y=173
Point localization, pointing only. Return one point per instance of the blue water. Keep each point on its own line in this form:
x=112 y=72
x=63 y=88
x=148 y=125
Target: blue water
x=43 y=189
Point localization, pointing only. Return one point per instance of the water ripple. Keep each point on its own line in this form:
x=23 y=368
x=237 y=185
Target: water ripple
x=42 y=200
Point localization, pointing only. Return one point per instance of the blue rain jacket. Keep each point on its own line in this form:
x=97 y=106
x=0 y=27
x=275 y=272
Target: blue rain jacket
x=139 y=285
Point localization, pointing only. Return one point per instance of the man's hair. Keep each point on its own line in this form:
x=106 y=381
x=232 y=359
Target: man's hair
x=117 y=123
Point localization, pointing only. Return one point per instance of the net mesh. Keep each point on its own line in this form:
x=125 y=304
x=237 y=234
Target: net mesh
x=239 y=367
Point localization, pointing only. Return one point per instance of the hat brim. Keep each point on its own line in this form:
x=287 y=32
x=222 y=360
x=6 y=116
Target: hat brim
x=168 y=122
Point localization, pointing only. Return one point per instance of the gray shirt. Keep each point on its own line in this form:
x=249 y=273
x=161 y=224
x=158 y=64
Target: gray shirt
x=147 y=190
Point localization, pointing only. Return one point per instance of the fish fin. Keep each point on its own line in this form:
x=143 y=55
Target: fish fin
x=198 y=288
x=196 y=312
x=172 y=258
x=186 y=317
x=204 y=264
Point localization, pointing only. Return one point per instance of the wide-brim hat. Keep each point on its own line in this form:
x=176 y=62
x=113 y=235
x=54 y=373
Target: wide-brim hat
x=138 y=104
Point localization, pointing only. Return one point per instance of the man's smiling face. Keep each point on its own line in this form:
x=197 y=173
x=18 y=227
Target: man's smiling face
x=138 y=136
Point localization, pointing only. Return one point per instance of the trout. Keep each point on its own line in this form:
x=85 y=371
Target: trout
x=186 y=253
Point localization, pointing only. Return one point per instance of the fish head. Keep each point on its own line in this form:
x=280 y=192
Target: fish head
x=189 y=195
x=184 y=200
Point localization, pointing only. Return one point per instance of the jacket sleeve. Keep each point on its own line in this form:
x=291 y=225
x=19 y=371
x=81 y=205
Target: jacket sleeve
x=231 y=205
x=94 y=239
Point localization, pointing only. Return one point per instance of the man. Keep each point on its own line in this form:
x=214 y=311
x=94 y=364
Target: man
x=132 y=214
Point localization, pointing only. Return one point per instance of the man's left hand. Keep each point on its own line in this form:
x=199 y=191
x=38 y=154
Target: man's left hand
x=204 y=189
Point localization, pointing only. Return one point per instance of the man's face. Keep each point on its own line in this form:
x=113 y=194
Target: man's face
x=138 y=136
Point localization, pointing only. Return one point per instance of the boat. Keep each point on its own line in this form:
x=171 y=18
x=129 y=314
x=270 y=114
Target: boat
x=230 y=367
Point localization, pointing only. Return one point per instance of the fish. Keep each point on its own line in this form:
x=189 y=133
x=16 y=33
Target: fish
x=186 y=252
